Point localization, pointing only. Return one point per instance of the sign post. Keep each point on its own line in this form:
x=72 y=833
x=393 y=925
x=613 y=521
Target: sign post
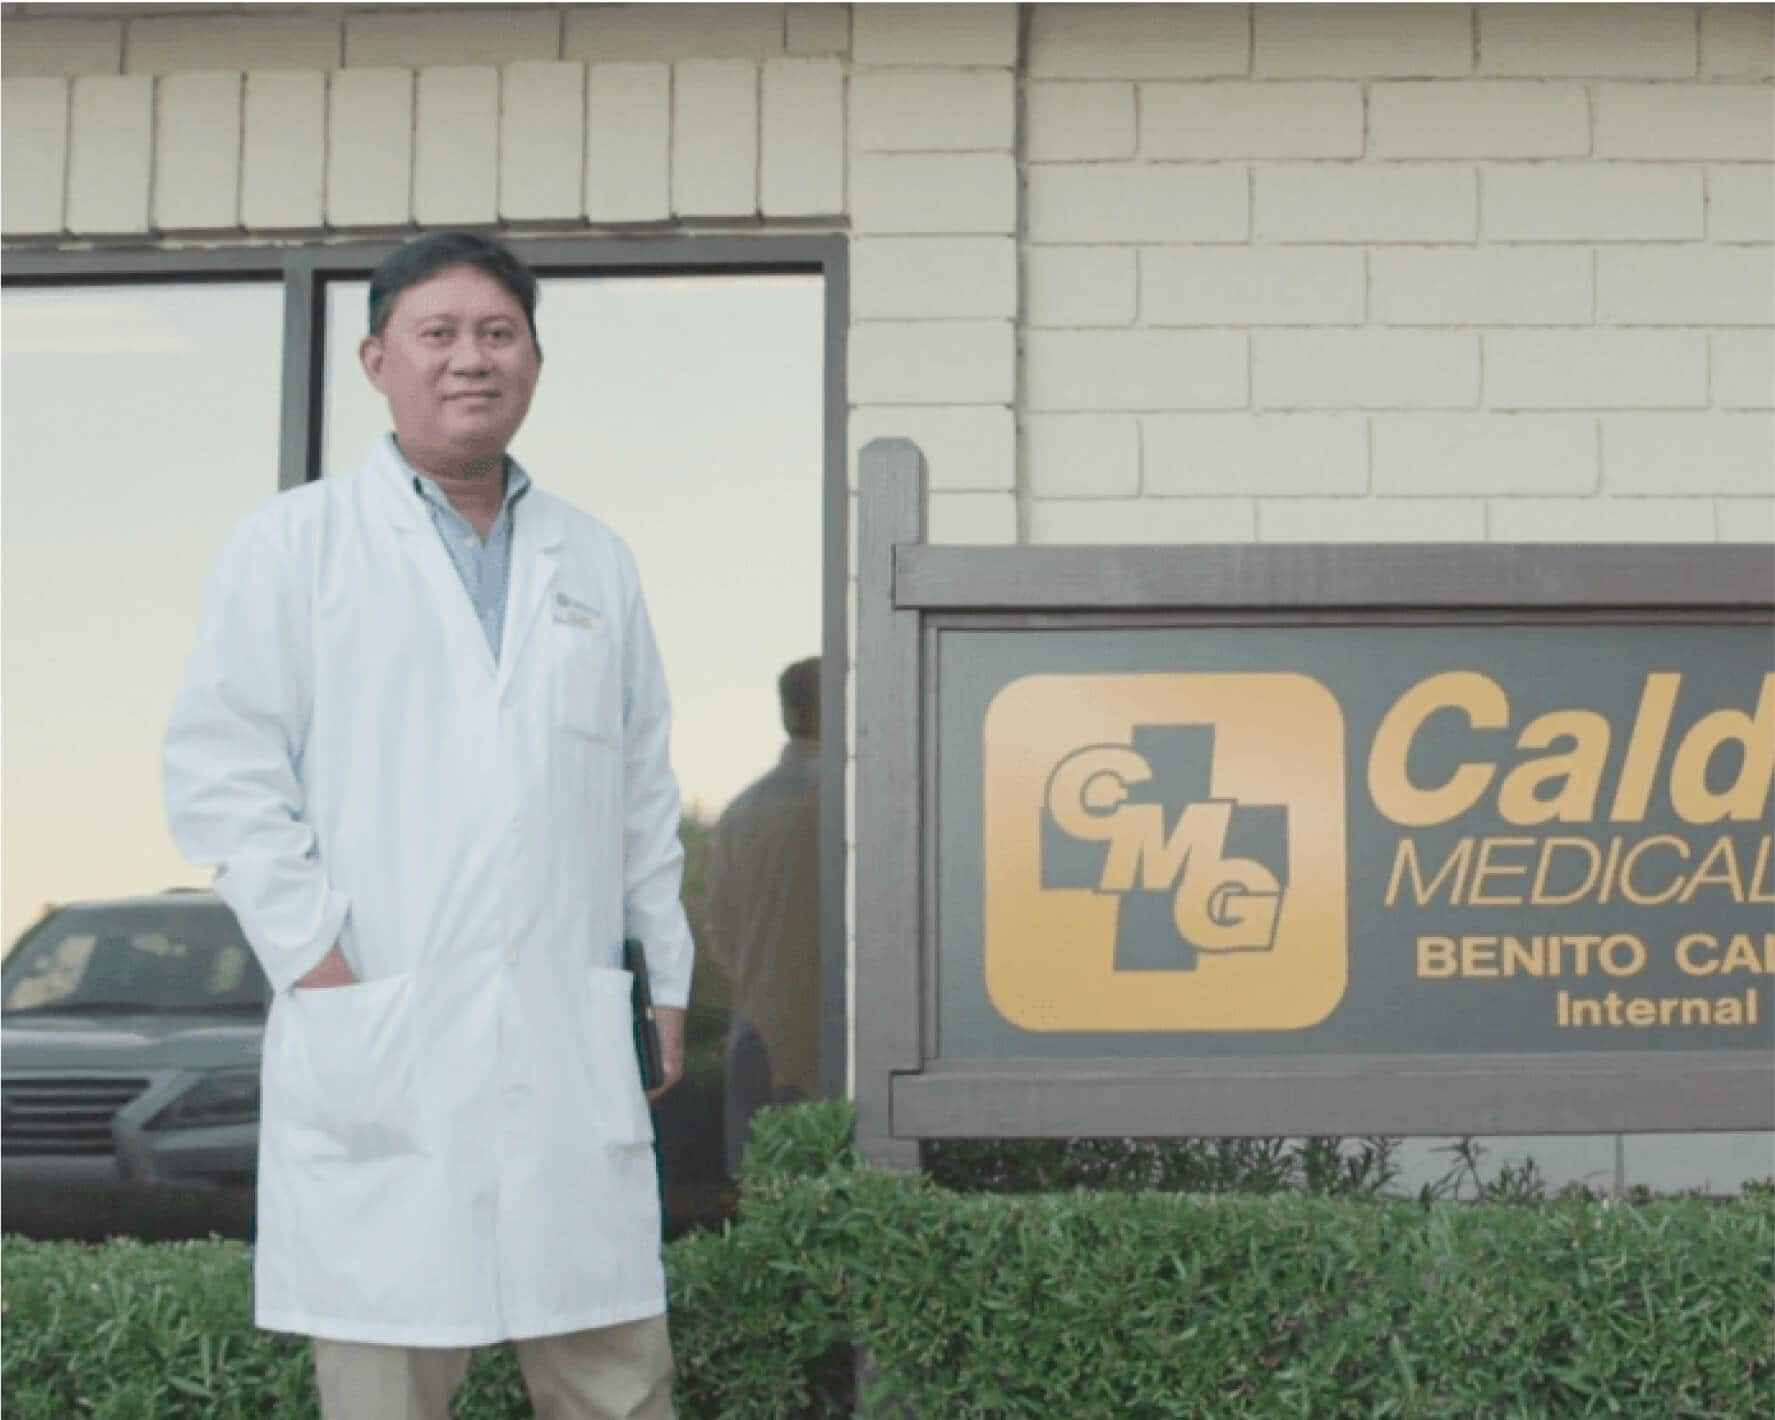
x=1331 y=840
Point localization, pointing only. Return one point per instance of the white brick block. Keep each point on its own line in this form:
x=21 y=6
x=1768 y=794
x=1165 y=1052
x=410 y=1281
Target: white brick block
x=1586 y=41
x=1684 y=286
x=1082 y=455
x=1481 y=285
x=169 y=44
x=1333 y=202
x=628 y=142
x=1743 y=369
x=1602 y=520
x=456 y=147
x=1134 y=202
x=197 y=153
x=925 y=111
x=1251 y=286
x=1493 y=454
x=617 y=34
x=1738 y=41
x=715 y=138
x=33 y=163
x=1371 y=520
x=1134 y=369
x=1362 y=41
x=975 y=519
x=934 y=34
x=940 y=277
x=1079 y=285
x=370 y=148
x=1601 y=202
x=933 y=362
x=937 y=193
x=61 y=48
x=111 y=131
x=1258 y=455
x=1366 y=369
x=1067 y=122
x=541 y=140
x=1142 y=522
x=1677 y=454
x=1685 y=121
x=818 y=29
x=970 y=449
x=1138 y=41
x=801 y=140
x=1595 y=369
x=1741 y=202
x=1440 y=120
x=284 y=151
x=1745 y=519
x=423 y=39
x=1251 y=120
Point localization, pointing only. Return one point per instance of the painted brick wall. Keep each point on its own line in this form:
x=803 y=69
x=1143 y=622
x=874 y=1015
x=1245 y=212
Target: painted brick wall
x=1152 y=273
x=1128 y=273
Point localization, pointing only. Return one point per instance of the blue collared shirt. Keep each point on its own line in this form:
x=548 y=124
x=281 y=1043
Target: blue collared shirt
x=485 y=567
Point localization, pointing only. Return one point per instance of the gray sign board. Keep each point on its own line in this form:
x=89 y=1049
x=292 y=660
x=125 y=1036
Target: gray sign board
x=1182 y=842
x=1309 y=839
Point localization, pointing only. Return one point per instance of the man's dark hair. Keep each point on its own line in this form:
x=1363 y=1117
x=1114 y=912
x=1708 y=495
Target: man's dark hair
x=424 y=257
x=799 y=689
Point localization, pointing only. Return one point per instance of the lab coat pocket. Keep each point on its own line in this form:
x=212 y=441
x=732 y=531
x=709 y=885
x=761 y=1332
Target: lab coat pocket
x=355 y=1074
x=583 y=701
x=609 y=1037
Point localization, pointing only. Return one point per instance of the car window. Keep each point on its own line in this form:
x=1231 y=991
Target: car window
x=142 y=961
x=53 y=974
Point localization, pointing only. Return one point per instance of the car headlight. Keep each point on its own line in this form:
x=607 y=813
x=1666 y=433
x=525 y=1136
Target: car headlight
x=226 y=1097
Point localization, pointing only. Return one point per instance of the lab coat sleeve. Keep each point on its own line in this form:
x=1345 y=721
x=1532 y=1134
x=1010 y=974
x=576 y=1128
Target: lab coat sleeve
x=653 y=854
x=234 y=798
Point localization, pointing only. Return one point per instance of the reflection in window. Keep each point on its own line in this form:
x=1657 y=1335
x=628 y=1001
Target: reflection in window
x=141 y=425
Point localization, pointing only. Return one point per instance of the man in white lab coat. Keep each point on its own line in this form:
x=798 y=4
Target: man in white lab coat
x=423 y=739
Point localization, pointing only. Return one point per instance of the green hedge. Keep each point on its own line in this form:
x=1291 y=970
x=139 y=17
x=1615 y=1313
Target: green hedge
x=1078 y=1305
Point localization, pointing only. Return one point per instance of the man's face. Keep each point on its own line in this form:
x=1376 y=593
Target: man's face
x=458 y=365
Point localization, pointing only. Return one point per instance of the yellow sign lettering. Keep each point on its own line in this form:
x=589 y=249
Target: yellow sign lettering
x=1485 y=707
x=1743 y=800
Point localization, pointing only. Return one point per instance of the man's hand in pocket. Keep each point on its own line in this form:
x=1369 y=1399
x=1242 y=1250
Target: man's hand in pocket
x=333 y=970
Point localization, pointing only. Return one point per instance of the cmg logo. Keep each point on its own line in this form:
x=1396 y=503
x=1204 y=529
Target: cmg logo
x=1165 y=852
x=1162 y=833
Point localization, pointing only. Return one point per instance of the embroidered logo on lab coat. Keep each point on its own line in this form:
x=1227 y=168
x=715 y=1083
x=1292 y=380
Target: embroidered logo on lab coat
x=576 y=613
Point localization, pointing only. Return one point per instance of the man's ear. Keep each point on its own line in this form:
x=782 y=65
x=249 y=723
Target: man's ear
x=370 y=353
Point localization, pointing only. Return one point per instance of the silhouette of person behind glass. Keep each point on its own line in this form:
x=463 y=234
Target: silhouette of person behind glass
x=764 y=919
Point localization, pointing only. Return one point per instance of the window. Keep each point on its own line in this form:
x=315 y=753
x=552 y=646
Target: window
x=141 y=424
x=692 y=398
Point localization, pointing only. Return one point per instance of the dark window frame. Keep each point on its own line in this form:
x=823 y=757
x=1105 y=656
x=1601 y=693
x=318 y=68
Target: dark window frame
x=304 y=271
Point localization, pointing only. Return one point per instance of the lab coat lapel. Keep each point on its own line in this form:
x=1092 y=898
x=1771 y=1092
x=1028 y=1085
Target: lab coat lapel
x=420 y=545
x=536 y=542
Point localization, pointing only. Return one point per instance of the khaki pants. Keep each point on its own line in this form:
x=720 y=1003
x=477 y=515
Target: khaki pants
x=610 y=1373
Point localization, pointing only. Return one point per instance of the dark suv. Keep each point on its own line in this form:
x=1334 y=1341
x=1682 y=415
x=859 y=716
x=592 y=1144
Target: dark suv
x=130 y=1077
x=131 y=1070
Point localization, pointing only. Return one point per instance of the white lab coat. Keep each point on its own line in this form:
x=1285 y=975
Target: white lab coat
x=456 y=1150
